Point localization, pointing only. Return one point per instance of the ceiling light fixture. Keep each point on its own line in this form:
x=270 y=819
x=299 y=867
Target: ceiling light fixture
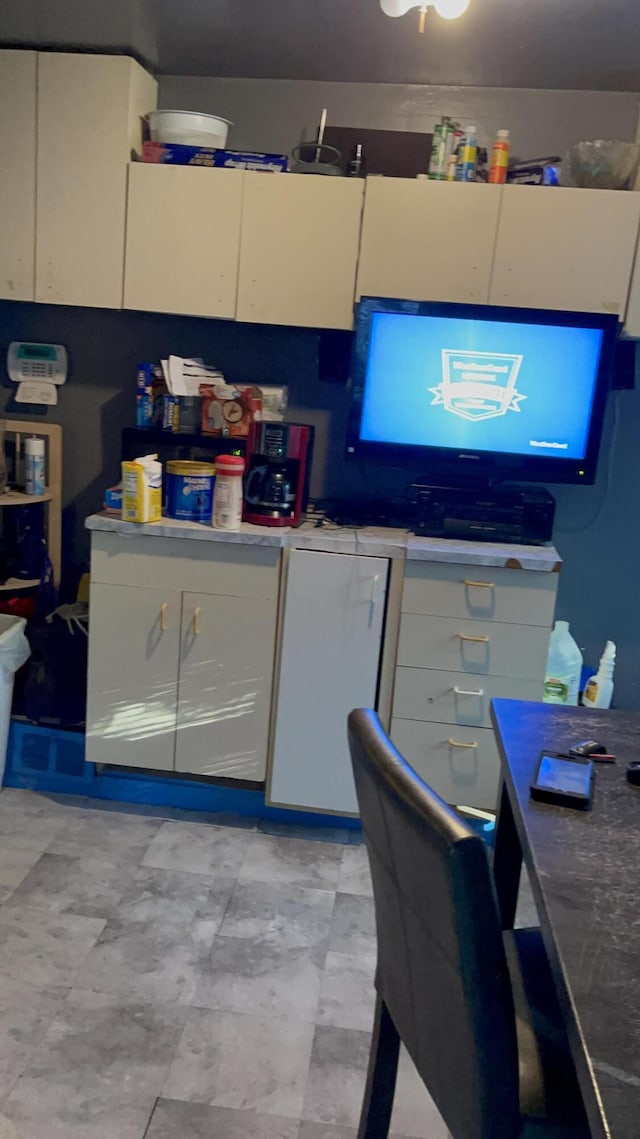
x=448 y=9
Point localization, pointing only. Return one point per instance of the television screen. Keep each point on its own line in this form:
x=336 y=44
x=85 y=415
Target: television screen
x=511 y=387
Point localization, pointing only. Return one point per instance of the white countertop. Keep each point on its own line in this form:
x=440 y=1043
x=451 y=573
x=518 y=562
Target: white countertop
x=377 y=541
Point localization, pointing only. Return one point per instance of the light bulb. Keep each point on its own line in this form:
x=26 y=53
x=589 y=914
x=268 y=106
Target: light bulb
x=450 y=9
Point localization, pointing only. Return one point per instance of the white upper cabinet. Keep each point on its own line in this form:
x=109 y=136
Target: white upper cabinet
x=89 y=118
x=17 y=174
x=565 y=249
x=428 y=241
x=183 y=239
x=299 y=249
x=632 y=323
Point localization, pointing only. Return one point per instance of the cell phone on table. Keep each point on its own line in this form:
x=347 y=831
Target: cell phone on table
x=562 y=781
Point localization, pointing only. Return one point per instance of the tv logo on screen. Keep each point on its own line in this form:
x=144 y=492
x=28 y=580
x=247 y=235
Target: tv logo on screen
x=478 y=385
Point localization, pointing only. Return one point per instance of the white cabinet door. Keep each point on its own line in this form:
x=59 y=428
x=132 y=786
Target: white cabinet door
x=17 y=174
x=183 y=239
x=226 y=669
x=565 y=249
x=89 y=118
x=134 y=642
x=330 y=655
x=426 y=241
x=299 y=249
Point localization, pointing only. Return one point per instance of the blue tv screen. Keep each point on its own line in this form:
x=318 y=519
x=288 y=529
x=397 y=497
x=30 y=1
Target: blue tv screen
x=471 y=380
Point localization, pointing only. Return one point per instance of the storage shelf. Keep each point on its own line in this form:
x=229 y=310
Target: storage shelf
x=19 y=498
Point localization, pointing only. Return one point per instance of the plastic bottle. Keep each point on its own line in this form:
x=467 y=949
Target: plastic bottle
x=564 y=666
x=499 y=158
x=599 y=688
x=227 y=494
x=34 y=456
x=467 y=155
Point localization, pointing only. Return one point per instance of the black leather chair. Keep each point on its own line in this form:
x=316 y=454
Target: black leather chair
x=474 y=1007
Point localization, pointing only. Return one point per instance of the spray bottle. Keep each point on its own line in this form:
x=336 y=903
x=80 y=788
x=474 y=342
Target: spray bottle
x=599 y=688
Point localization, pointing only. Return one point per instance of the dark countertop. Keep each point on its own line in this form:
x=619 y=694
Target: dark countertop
x=585 y=875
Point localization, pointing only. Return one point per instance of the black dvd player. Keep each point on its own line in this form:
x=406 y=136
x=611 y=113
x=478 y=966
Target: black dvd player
x=494 y=514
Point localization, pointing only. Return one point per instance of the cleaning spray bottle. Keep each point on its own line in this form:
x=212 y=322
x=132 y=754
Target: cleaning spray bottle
x=599 y=688
x=564 y=666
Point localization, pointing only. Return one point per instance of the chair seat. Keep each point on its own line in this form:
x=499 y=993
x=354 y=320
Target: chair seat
x=550 y=1099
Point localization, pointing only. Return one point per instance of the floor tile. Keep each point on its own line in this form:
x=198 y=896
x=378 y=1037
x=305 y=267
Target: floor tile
x=99 y=1042
x=45 y=949
x=336 y=1076
x=88 y=886
x=355 y=876
x=295 y=916
x=353 y=927
x=309 y=1130
x=230 y=1060
x=197 y=849
x=414 y=1113
x=347 y=994
x=291 y=860
x=26 y=1013
x=34 y=820
x=17 y=858
x=50 y=1111
x=261 y=976
x=144 y=962
x=173 y=1119
x=310 y=833
x=118 y=839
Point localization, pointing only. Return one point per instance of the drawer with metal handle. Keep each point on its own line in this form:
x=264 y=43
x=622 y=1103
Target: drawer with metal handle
x=454 y=697
x=519 y=597
x=480 y=648
x=460 y=764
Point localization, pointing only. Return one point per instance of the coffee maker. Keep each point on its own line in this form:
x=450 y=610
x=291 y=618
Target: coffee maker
x=276 y=487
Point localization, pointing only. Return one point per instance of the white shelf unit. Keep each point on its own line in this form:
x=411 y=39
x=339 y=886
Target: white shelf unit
x=52 y=498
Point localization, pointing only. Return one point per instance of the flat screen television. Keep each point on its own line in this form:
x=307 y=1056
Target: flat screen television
x=466 y=392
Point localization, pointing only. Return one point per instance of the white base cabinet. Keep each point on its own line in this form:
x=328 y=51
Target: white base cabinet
x=468 y=634
x=180 y=669
x=329 y=663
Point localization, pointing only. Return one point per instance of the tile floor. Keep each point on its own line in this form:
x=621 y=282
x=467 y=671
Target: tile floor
x=163 y=978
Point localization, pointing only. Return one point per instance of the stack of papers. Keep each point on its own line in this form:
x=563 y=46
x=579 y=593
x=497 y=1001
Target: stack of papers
x=183 y=377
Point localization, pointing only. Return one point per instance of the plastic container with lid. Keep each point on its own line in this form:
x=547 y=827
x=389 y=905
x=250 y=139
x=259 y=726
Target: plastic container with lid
x=499 y=158
x=227 y=498
x=189 y=490
x=564 y=667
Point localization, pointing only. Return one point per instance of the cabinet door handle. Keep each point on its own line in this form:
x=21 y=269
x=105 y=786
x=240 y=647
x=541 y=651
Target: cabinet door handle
x=468 y=691
x=458 y=743
x=163 y=617
x=476 y=640
x=479 y=584
x=196 y=621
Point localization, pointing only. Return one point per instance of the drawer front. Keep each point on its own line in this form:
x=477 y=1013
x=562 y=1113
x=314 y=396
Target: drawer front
x=514 y=596
x=455 y=698
x=466 y=776
x=482 y=648
x=226 y=568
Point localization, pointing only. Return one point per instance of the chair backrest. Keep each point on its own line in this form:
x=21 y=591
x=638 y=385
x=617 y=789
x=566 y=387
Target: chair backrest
x=442 y=970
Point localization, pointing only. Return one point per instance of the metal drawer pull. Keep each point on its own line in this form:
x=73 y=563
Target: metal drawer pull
x=196 y=622
x=457 y=743
x=163 y=617
x=468 y=691
x=476 y=640
x=480 y=584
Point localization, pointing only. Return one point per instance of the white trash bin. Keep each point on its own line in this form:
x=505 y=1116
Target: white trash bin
x=14 y=652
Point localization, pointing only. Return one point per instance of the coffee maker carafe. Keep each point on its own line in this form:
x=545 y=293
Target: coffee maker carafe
x=277 y=477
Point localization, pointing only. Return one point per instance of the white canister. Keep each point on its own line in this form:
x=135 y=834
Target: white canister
x=227 y=494
x=34 y=465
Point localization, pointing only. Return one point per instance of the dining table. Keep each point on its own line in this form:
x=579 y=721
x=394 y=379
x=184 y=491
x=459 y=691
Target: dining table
x=584 y=871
